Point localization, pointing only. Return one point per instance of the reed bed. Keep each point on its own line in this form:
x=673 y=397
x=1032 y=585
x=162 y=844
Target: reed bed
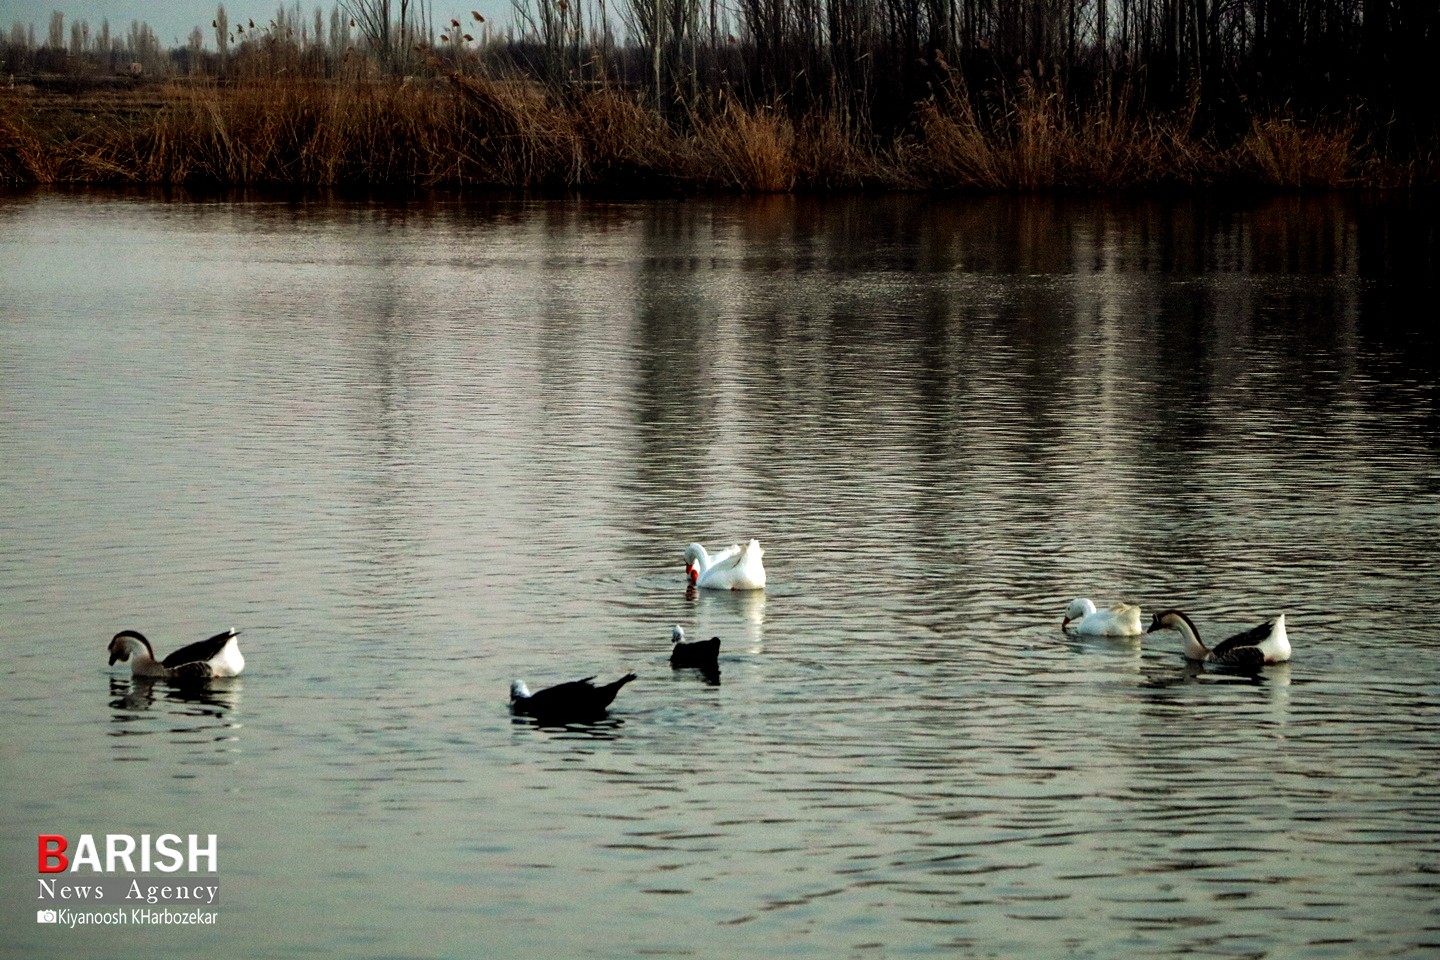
x=1282 y=152
x=463 y=130
x=24 y=156
x=757 y=96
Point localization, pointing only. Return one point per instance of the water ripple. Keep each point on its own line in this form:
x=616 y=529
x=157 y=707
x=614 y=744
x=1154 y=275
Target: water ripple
x=414 y=456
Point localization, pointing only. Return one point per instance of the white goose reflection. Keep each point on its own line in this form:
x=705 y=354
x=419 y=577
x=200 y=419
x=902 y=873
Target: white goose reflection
x=736 y=616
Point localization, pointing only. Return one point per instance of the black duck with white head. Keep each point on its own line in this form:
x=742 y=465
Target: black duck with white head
x=702 y=653
x=575 y=702
x=216 y=657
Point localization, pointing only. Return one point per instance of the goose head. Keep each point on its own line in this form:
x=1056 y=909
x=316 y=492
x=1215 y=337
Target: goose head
x=1195 y=649
x=697 y=558
x=1165 y=620
x=1078 y=610
x=128 y=642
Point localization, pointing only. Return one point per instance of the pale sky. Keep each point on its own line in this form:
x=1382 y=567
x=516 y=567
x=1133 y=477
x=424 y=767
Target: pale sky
x=172 y=20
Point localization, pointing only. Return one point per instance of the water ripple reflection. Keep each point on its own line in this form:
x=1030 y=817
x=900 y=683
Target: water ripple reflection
x=197 y=720
x=417 y=450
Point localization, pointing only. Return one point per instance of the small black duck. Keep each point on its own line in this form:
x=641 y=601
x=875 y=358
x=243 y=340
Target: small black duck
x=701 y=653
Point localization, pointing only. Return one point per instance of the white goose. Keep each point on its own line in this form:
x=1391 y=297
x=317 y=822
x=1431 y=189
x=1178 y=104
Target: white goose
x=217 y=657
x=734 y=568
x=1122 y=620
x=1256 y=647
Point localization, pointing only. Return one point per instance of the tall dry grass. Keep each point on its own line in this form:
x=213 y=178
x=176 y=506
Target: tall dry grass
x=474 y=130
x=625 y=144
x=830 y=153
x=24 y=156
x=746 y=149
x=795 y=95
x=1037 y=139
x=293 y=132
x=1282 y=152
x=513 y=133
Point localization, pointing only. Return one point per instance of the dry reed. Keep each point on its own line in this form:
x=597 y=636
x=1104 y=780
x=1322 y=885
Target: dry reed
x=625 y=144
x=1040 y=141
x=1285 y=153
x=24 y=157
x=744 y=149
x=828 y=154
x=470 y=130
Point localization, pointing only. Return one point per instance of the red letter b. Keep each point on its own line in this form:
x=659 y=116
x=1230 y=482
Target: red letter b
x=52 y=847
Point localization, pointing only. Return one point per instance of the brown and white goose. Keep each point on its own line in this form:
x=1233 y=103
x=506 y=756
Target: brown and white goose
x=1256 y=647
x=218 y=656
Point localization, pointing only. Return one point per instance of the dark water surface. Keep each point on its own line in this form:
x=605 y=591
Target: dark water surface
x=415 y=451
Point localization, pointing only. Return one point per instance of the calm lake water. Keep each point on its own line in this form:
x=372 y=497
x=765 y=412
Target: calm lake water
x=413 y=451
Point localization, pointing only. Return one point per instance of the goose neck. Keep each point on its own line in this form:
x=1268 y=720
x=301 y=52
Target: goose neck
x=1195 y=648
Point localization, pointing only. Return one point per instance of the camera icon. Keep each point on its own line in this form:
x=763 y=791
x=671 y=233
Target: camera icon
x=46 y=916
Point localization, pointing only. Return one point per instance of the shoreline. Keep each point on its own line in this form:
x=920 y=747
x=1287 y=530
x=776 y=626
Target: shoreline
x=464 y=131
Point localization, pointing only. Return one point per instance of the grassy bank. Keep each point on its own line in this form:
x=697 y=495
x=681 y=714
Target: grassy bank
x=464 y=130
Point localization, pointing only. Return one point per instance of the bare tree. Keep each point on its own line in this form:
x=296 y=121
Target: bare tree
x=57 y=31
x=221 y=23
x=391 y=28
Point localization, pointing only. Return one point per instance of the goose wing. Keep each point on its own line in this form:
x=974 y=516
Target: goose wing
x=1250 y=639
x=739 y=561
x=726 y=559
x=194 y=670
x=199 y=652
x=1251 y=656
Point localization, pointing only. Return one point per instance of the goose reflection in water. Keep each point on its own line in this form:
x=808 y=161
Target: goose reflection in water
x=726 y=605
x=1276 y=676
x=604 y=729
x=134 y=696
x=1129 y=648
x=709 y=673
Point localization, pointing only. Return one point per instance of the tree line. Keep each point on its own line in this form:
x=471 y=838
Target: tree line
x=870 y=63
